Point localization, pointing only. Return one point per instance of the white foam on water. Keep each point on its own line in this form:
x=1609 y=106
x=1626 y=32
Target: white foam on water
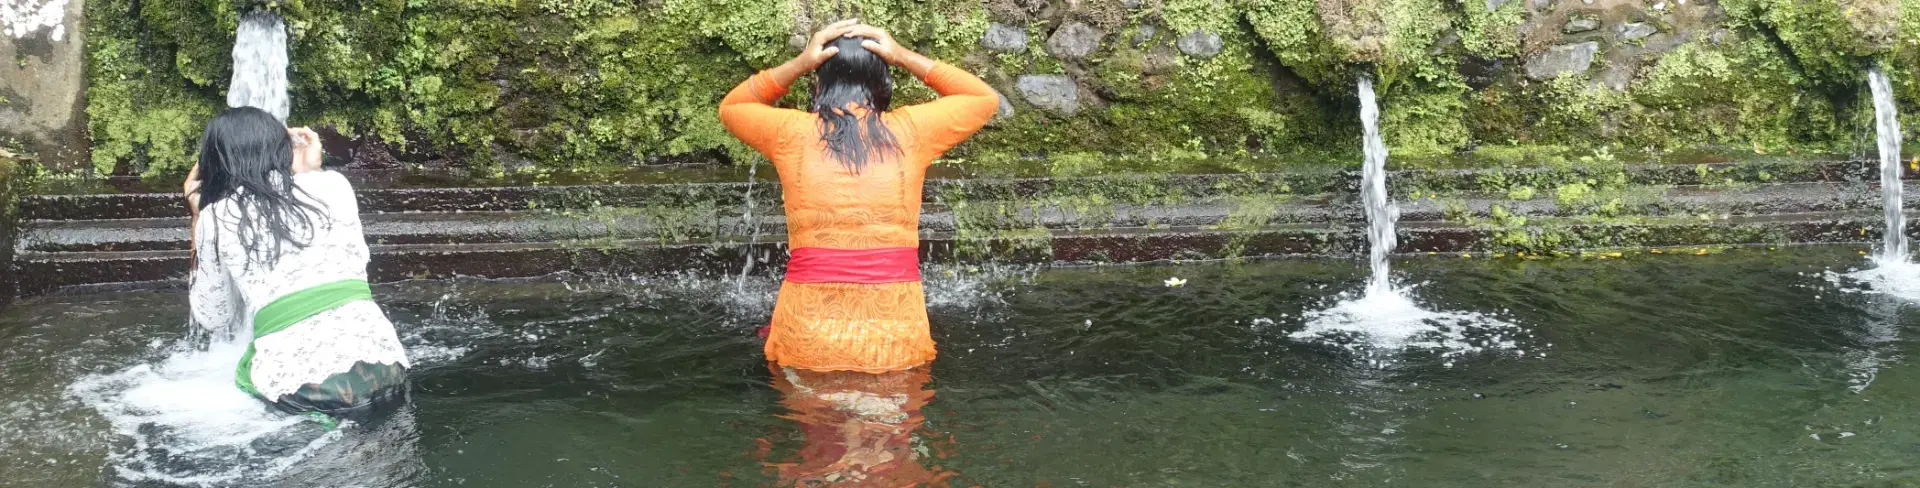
x=1896 y=277
x=189 y=424
x=1391 y=322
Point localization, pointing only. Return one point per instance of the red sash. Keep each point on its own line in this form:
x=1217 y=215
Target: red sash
x=827 y=265
x=824 y=265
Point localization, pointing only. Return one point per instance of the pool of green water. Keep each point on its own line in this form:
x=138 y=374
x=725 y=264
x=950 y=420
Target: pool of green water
x=1743 y=369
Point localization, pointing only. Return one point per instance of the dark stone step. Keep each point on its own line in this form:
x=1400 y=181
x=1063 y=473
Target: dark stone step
x=48 y=272
x=722 y=223
x=375 y=199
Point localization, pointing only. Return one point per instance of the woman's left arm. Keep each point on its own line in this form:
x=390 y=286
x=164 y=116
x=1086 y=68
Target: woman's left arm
x=965 y=105
x=191 y=190
x=212 y=297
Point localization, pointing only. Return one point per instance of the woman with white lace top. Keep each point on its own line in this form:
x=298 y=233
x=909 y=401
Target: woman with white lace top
x=279 y=257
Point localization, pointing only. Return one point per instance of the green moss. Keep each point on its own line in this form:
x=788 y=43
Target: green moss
x=577 y=84
x=1210 y=107
x=1292 y=31
x=1492 y=34
x=144 y=104
x=1829 y=39
x=1743 y=93
x=1184 y=16
x=1420 y=116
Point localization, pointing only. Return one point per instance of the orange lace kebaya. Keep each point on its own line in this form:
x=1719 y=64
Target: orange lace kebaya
x=852 y=299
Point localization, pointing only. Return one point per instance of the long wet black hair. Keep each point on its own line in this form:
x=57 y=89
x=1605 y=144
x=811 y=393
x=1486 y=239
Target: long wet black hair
x=246 y=155
x=854 y=77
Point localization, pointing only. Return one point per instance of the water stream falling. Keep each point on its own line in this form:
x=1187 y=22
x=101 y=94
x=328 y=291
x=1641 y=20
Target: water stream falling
x=1383 y=318
x=1893 y=273
x=1886 y=123
x=260 y=65
x=1381 y=212
x=753 y=230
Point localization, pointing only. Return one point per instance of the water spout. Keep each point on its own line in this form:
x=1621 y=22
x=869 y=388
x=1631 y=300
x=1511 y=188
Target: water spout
x=1886 y=120
x=1381 y=212
x=260 y=65
x=1383 y=318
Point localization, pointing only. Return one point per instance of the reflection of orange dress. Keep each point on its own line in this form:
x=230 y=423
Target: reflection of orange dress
x=860 y=429
x=870 y=327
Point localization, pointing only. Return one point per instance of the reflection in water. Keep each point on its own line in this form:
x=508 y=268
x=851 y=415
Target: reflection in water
x=1877 y=342
x=859 y=428
x=382 y=451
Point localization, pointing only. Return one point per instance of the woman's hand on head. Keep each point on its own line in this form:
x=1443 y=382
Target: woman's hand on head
x=878 y=41
x=817 y=51
x=307 y=156
x=883 y=45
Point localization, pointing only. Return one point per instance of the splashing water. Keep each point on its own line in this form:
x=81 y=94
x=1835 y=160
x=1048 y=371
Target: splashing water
x=191 y=426
x=1383 y=318
x=753 y=230
x=260 y=65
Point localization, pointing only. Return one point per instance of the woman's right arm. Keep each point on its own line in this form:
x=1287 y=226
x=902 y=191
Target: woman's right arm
x=748 y=110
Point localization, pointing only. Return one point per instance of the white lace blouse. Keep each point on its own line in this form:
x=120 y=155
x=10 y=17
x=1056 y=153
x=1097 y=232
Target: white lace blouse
x=231 y=283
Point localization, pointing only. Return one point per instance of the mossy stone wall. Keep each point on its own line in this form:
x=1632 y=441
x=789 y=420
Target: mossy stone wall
x=558 y=84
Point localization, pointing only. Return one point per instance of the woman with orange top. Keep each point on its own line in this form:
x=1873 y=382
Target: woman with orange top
x=851 y=172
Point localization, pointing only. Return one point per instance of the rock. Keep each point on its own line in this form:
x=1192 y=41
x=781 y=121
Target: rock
x=1133 y=4
x=1075 y=40
x=1661 y=43
x=1200 y=44
x=1637 y=30
x=1056 y=93
x=1004 y=38
x=1562 y=60
x=43 y=86
x=797 y=42
x=1143 y=35
x=1581 y=24
x=1493 y=5
x=1005 y=111
x=1617 y=76
x=1160 y=61
x=1479 y=72
x=1543 y=5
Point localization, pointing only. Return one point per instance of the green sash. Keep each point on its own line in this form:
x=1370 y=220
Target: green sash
x=292 y=309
